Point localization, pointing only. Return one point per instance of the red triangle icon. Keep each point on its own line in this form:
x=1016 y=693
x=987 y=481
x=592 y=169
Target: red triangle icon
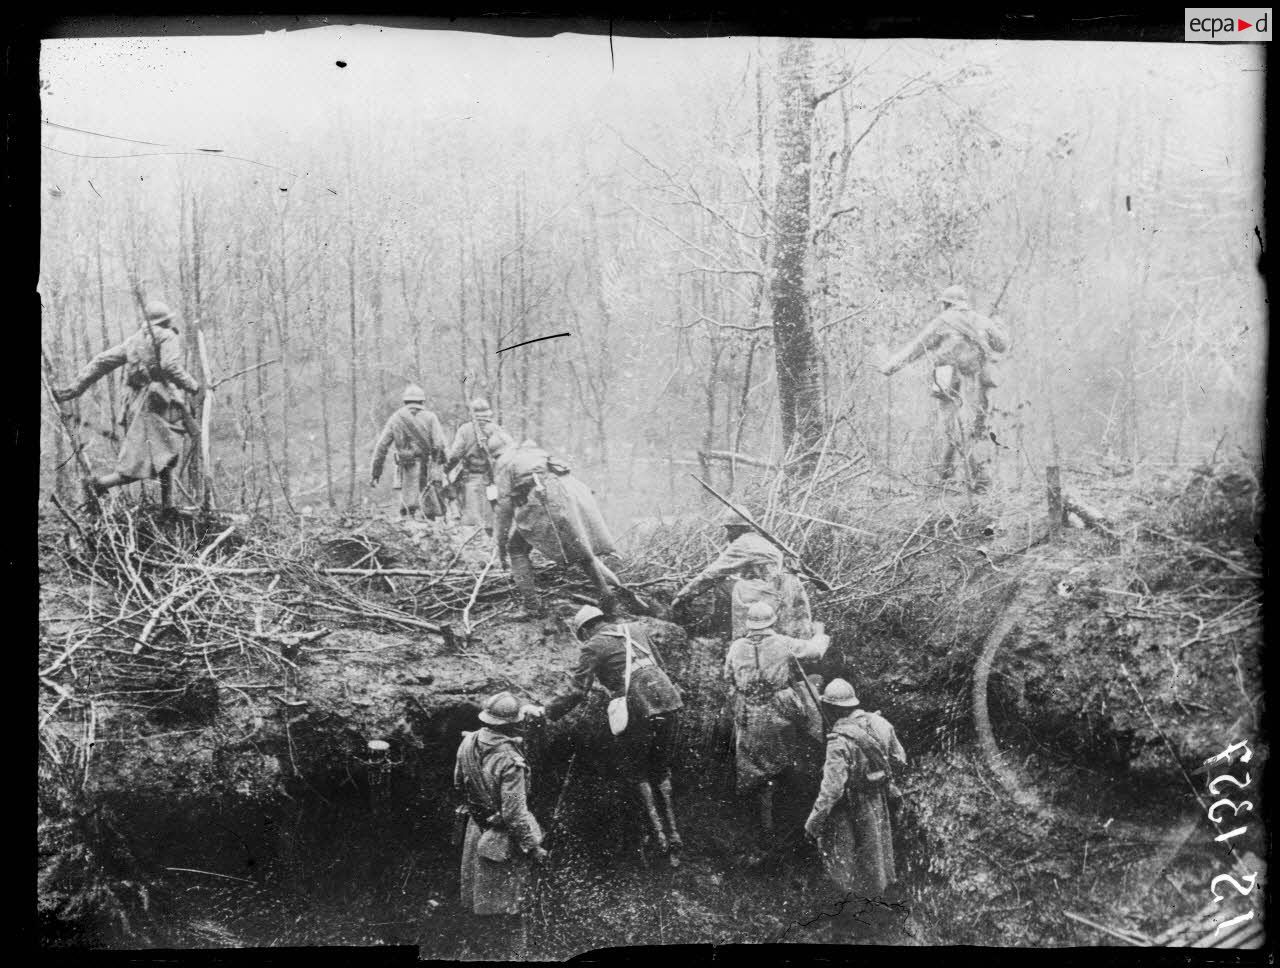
x=1243 y=24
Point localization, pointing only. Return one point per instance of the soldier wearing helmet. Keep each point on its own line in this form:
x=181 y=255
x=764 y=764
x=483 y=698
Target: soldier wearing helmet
x=646 y=748
x=542 y=505
x=772 y=709
x=851 y=819
x=154 y=413
x=419 y=441
x=963 y=348
x=475 y=461
x=750 y=569
x=503 y=838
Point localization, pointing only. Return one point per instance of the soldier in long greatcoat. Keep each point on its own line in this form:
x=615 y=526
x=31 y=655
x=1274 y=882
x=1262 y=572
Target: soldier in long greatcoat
x=774 y=715
x=751 y=569
x=503 y=838
x=542 y=505
x=963 y=347
x=155 y=414
x=850 y=819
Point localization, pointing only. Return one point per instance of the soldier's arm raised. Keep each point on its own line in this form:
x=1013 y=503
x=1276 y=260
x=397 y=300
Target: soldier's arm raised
x=577 y=686
x=93 y=371
x=928 y=338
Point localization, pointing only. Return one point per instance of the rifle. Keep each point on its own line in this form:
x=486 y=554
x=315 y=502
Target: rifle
x=813 y=694
x=820 y=582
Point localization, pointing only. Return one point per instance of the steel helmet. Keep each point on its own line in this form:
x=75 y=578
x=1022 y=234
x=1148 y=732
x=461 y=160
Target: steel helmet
x=158 y=312
x=760 y=615
x=839 y=693
x=480 y=408
x=413 y=394
x=585 y=614
x=501 y=710
x=954 y=296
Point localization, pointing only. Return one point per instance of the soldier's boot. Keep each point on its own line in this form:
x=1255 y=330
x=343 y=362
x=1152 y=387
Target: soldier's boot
x=92 y=496
x=766 y=809
x=651 y=812
x=669 y=812
x=166 y=490
x=522 y=576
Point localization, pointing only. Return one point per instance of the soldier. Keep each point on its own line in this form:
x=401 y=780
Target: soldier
x=963 y=347
x=772 y=710
x=850 y=819
x=753 y=569
x=646 y=746
x=478 y=462
x=419 y=439
x=155 y=415
x=541 y=505
x=503 y=838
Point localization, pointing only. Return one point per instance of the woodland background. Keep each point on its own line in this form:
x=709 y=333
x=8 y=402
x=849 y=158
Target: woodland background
x=442 y=195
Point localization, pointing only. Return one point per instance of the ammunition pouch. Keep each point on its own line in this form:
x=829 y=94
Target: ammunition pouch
x=495 y=845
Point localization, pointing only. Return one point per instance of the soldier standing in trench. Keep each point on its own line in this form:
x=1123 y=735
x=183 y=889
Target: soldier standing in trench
x=419 y=440
x=751 y=569
x=963 y=347
x=155 y=415
x=646 y=748
x=772 y=715
x=503 y=838
x=851 y=817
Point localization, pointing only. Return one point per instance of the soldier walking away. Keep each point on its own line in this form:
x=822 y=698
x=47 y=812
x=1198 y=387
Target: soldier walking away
x=646 y=747
x=477 y=461
x=751 y=569
x=503 y=838
x=963 y=347
x=773 y=715
x=541 y=505
x=851 y=819
x=155 y=415
x=419 y=440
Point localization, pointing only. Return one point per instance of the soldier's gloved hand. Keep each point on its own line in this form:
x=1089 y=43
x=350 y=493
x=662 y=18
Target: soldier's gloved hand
x=812 y=829
x=537 y=712
x=540 y=856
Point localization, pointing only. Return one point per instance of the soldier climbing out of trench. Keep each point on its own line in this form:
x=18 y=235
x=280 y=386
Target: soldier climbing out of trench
x=419 y=441
x=626 y=661
x=963 y=347
x=542 y=505
x=851 y=818
x=503 y=838
x=772 y=712
x=155 y=415
x=751 y=569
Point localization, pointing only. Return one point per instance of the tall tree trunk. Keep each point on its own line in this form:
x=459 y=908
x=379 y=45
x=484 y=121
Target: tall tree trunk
x=282 y=341
x=352 y=356
x=102 y=319
x=796 y=356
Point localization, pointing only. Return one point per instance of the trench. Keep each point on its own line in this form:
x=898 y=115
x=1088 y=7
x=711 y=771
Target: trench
x=350 y=854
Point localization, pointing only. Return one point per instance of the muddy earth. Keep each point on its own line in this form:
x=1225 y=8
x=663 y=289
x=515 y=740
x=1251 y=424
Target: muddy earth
x=206 y=779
